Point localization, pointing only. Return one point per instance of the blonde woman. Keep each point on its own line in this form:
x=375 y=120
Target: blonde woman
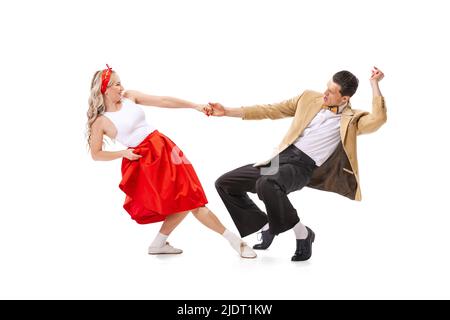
x=159 y=182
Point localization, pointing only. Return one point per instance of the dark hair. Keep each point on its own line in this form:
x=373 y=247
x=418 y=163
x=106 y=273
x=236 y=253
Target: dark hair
x=347 y=81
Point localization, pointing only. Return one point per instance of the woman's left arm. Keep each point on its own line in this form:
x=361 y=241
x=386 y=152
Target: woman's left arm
x=162 y=101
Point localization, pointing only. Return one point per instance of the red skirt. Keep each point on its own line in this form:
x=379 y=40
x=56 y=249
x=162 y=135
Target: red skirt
x=160 y=183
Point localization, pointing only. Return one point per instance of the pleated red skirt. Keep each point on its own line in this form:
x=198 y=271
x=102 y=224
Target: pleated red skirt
x=160 y=183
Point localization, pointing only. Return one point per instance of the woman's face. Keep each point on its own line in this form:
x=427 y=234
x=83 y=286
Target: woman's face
x=115 y=90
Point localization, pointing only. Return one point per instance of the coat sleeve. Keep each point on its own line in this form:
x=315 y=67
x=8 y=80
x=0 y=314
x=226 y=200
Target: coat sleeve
x=273 y=111
x=370 y=122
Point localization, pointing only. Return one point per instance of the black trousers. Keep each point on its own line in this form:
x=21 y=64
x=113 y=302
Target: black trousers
x=272 y=184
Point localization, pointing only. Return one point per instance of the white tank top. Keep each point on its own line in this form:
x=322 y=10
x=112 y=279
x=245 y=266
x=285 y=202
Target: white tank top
x=130 y=123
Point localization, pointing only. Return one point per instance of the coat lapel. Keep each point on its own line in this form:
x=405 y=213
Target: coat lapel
x=309 y=114
x=303 y=117
x=347 y=115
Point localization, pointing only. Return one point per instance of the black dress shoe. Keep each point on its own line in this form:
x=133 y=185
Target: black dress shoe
x=304 y=247
x=267 y=238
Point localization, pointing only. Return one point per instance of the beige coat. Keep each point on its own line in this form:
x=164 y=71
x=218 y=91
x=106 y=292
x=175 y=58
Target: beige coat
x=340 y=172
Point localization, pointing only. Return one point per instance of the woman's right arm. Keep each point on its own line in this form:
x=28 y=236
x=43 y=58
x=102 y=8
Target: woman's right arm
x=96 y=142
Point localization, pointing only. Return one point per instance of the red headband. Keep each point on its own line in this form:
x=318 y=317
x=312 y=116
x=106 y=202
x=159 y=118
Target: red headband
x=106 y=76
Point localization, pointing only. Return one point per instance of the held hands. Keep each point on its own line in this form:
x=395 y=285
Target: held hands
x=205 y=109
x=130 y=155
x=202 y=108
x=211 y=109
x=377 y=75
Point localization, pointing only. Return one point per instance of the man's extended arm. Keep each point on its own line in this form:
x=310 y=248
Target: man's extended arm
x=273 y=111
x=374 y=120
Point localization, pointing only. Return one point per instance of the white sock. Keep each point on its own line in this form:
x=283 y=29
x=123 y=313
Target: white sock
x=300 y=231
x=233 y=239
x=160 y=240
x=266 y=227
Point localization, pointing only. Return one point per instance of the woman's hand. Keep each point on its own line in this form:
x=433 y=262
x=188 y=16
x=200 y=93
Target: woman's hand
x=204 y=108
x=130 y=155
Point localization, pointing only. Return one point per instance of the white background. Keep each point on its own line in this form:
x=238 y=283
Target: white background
x=63 y=232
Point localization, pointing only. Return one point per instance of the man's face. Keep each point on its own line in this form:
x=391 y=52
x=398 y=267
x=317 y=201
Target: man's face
x=332 y=96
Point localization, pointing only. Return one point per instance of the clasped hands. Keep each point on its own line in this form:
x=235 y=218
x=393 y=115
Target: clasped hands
x=211 y=109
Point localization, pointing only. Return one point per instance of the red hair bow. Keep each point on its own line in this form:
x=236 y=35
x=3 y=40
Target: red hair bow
x=106 y=76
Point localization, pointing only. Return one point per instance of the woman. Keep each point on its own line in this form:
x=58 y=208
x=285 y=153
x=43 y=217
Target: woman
x=159 y=182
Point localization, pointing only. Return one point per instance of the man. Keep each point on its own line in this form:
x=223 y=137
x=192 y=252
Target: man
x=319 y=151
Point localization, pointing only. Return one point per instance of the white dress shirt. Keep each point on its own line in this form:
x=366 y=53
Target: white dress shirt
x=322 y=136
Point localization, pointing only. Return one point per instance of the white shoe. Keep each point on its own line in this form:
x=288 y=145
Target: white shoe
x=165 y=249
x=246 y=251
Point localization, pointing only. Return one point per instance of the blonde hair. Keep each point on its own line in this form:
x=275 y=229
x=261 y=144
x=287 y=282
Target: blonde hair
x=96 y=103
